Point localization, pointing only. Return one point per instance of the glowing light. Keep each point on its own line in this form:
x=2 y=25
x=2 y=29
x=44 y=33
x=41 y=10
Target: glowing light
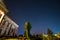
x=1 y=15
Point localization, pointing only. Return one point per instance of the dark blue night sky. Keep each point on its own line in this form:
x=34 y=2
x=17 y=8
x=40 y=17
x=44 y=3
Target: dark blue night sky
x=42 y=14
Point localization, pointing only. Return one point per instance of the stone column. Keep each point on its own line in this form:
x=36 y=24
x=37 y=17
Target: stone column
x=2 y=23
x=1 y=26
x=10 y=32
x=4 y=28
x=7 y=30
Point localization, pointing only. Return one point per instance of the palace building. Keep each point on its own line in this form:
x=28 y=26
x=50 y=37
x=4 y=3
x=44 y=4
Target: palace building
x=7 y=26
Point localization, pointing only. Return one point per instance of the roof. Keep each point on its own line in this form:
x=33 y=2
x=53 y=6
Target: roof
x=10 y=21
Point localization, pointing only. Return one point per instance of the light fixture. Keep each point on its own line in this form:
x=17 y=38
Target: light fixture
x=1 y=15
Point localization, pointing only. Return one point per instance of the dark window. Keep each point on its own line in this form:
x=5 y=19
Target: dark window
x=8 y=24
x=4 y=22
x=0 y=30
x=0 y=14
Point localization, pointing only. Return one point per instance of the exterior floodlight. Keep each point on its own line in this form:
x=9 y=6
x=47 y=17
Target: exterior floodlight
x=1 y=15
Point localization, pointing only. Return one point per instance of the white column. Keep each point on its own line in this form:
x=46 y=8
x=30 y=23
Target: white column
x=2 y=23
x=7 y=30
x=11 y=30
x=1 y=26
x=4 y=28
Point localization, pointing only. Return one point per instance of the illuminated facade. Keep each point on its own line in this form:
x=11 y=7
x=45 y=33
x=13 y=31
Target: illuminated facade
x=3 y=10
x=7 y=26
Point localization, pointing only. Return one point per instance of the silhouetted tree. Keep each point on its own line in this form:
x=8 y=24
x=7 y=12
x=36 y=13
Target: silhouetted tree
x=49 y=32
x=27 y=29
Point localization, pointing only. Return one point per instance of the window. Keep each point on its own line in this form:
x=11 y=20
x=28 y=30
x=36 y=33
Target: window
x=4 y=22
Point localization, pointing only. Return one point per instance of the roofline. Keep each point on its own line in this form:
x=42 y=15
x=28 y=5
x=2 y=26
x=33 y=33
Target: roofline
x=11 y=21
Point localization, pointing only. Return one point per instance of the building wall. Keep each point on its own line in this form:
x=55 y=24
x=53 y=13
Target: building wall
x=8 y=27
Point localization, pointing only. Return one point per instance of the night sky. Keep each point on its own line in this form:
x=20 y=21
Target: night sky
x=42 y=14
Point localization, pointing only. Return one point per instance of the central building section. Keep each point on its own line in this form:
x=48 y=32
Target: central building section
x=7 y=26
